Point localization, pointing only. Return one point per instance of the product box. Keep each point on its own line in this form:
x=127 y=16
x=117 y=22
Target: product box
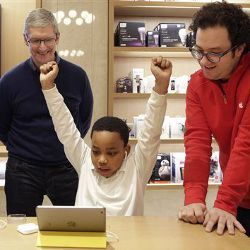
x=162 y=169
x=137 y=75
x=190 y=40
x=177 y=167
x=131 y=129
x=148 y=83
x=215 y=174
x=181 y=83
x=171 y=34
x=172 y=87
x=152 y=39
x=177 y=127
x=124 y=85
x=2 y=168
x=165 y=128
x=130 y=34
x=138 y=122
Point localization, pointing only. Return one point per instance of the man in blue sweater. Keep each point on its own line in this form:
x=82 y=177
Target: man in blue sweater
x=36 y=162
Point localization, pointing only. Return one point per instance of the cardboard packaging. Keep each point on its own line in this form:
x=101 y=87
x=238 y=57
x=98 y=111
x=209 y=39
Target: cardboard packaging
x=130 y=34
x=171 y=34
x=162 y=169
x=137 y=75
x=124 y=85
x=152 y=39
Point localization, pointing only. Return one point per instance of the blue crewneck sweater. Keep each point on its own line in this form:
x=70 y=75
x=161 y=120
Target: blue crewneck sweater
x=26 y=127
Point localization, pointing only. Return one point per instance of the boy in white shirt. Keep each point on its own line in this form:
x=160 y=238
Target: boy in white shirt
x=110 y=175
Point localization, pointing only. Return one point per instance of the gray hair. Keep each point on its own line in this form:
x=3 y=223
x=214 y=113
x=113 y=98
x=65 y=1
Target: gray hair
x=40 y=18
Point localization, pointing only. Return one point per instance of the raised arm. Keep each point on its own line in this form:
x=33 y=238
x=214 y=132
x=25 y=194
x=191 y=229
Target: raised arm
x=149 y=138
x=66 y=130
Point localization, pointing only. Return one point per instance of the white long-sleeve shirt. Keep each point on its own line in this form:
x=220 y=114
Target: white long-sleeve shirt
x=123 y=192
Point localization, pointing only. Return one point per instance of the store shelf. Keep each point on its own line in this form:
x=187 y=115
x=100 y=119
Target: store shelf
x=145 y=95
x=181 y=52
x=156 y=9
x=159 y=186
x=169 y=140
x=162 y=9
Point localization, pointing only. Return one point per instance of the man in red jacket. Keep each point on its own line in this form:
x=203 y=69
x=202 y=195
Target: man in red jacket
x=218 y=105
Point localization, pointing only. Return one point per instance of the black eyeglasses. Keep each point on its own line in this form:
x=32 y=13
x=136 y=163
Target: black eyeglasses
x=211 y=56
x=37 y=42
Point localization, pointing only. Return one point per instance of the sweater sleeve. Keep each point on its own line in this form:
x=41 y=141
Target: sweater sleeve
x=236 y=176
x=67 y=132
x=197 y=140
x=149 y=138
x=5 y=110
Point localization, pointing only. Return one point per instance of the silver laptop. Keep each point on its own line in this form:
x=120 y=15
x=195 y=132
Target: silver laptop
x=71 y=218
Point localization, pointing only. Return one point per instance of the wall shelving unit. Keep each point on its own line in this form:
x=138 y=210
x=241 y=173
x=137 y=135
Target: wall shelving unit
x=148 y=12
x=121 y=59
x=127 y=105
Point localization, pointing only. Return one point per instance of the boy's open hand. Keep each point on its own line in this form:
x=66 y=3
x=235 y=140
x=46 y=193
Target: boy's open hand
x=48 y=74
x=161 y=68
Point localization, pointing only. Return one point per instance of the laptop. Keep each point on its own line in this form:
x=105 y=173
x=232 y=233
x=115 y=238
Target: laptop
x=71 y=218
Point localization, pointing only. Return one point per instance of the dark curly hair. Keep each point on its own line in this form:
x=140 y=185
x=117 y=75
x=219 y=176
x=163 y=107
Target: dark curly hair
x=112 y=124
x=224 y=14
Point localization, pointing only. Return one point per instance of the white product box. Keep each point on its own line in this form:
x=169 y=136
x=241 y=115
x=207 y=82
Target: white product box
x=2 y=168
x=215 y=174
x=138 y=124
x=136 y=76
x=171 y=34
x=147 y=84
x=181 y=83
x=177 y=127
x=166 y=128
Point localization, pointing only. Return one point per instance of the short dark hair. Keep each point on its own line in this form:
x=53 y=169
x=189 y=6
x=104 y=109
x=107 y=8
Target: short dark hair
x=224 y=14
x=112 y=124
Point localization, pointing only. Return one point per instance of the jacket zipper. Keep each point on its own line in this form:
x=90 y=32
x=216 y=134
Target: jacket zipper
x=223 y=92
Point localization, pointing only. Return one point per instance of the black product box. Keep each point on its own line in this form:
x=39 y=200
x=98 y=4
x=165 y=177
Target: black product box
x=162 y=169
x=124 y=85
x=152 y=39
x=190 y=40
x=171 y=34
x=130 y=34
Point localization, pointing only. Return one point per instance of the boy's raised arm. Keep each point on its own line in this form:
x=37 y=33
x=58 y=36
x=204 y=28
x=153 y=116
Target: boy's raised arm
x=149 y=136
x=67 y=132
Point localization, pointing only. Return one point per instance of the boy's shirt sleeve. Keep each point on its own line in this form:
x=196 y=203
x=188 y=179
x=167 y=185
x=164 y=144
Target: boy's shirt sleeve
x=74 y=146
x=148 y=143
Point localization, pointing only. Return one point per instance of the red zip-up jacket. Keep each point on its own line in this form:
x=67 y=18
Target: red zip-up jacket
x=221 y=111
